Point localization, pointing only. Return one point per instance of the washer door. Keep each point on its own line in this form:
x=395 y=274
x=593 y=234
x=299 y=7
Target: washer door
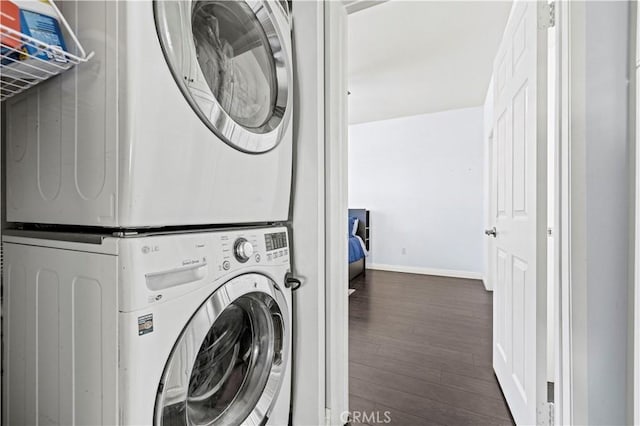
x=232 y=64
x=229 y=362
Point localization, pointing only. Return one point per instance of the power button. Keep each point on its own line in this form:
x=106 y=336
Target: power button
x=226 y=265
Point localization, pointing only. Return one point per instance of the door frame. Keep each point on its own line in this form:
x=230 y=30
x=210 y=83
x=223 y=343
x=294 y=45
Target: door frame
x=307 y=217
x=490 y=197
x=571 y=306
x=336 y=204
x=568 y=308
x=634 y=131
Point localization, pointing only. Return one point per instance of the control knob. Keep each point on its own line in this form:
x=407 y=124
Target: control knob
x=243 y=250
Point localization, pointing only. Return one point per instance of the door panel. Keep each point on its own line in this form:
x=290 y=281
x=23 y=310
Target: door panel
x=500 y=314
x=519 y=153
x=501 y=173
x=519 y=348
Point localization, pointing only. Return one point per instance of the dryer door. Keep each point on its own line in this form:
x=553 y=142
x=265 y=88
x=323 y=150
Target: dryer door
x=232 y=62
x=228 y=364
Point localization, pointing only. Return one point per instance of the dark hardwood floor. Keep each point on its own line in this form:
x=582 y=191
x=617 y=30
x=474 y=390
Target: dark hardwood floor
x=420 y=352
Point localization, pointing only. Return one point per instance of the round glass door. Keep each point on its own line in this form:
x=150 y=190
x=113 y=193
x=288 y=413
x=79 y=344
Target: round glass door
x=232 y=64
x=228 y=364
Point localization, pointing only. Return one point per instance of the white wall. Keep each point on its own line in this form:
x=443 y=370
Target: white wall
x=422 y=179
x=598 y=211
x=607 y=208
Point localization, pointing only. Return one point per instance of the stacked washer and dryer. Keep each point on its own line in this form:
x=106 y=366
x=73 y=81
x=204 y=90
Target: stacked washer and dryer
x=147 y=280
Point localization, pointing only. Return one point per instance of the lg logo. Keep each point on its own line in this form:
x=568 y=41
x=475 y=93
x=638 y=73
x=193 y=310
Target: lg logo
x=150 y=249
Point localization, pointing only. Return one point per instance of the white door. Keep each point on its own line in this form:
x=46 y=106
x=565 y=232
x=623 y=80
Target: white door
x=519 y=178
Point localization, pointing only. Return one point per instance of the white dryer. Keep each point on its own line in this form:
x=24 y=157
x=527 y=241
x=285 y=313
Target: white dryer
x=182 y=117
x=178 y=329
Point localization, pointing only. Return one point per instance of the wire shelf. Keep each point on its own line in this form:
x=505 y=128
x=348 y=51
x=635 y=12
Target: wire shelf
x=21 y=69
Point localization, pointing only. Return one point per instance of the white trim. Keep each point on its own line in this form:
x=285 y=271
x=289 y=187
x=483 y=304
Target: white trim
x=336 y=212
x=561 y=344
x=308 y=218
x=489 y=196
x=635 y=213
x=571 y=399
x=636 y=273
x=427 y=271
x=486 y=283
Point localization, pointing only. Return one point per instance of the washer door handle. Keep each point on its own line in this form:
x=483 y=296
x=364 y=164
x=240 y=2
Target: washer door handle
x=292 y=282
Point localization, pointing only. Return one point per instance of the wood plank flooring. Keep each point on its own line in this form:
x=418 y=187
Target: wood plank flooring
x=420 y=352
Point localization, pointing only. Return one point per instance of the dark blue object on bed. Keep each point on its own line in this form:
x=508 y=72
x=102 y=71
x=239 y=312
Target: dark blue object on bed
x=355 y=249
x=356 y=252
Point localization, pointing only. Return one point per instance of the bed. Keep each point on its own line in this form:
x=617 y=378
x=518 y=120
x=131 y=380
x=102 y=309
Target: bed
x=358 y=241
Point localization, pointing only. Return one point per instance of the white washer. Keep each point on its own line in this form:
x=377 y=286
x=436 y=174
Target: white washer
x=174 y=329
x=182 y=117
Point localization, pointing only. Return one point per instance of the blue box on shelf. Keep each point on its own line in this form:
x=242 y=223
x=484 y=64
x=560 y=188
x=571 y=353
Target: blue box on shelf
x=43 y=28
x=35 y=59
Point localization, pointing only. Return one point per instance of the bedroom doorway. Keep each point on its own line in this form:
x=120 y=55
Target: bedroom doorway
x=446 y=356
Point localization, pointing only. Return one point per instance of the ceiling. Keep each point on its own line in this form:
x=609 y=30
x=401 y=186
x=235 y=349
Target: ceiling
x=414 y=57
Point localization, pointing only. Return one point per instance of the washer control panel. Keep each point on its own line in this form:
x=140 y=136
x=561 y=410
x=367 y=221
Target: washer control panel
x=276 y=244
x=168 y=265
x=253 y=247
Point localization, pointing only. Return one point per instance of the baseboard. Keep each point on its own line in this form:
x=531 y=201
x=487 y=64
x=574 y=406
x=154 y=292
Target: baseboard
x=486 y=284
x=427 y=271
